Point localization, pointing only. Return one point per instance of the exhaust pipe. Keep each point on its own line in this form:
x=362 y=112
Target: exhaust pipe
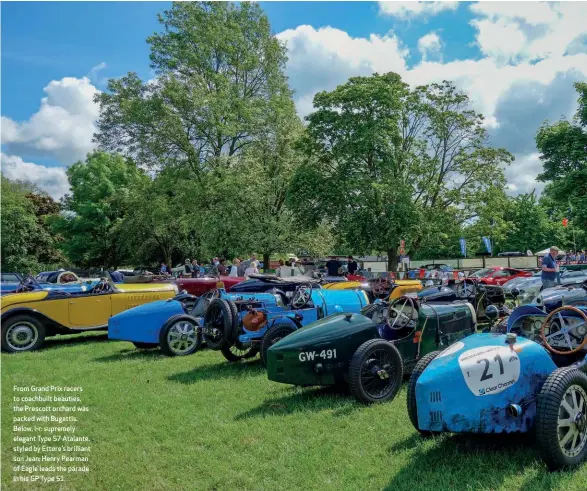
x=514 y=410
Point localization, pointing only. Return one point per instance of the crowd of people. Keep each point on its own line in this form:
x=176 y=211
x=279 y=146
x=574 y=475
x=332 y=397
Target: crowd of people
x=578 y=257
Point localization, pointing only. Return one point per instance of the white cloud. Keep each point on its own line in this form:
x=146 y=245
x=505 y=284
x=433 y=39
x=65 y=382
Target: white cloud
x=321 y=59
x=521 y=175
x=528 y=31
x=94 y=74
x=429 y=44
x=63 y=126
x=404 y=10
x=51 y=179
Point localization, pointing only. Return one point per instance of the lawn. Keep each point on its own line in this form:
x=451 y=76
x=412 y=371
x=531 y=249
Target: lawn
x=201 y=423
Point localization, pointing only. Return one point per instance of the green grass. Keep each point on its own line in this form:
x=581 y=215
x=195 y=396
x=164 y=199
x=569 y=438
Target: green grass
x=201 y=423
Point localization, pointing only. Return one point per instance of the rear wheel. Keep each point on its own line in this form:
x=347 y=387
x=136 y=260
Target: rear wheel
x=218 y=321
x=273 y=335
x=376 y=371
x=561 y=418
x=411 y=398
x=139 y=345
x=22 y=333
x=180 y=336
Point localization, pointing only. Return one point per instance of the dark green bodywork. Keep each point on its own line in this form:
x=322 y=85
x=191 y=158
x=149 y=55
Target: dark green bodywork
x=340 y=335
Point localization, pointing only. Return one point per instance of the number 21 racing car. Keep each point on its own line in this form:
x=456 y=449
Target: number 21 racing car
x=530 y=379
x=370 y=352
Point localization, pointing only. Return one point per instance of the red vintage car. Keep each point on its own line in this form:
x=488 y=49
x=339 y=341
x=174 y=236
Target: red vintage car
x=199 y=286
x=497 y=275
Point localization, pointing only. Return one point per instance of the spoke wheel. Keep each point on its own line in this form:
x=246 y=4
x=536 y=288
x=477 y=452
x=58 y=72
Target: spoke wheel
x=180 y=336
x=561 y=418
x=22 y=333
x=218 y=320
x=376 y=371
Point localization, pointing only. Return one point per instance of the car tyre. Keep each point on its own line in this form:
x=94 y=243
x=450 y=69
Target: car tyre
x=238 y=351
x=218 y=315
x=22 y=333
x=277 y=332
x=411 y=397
x=376 y=371
x=565 y=389
x=180 y=336
x=140 y=345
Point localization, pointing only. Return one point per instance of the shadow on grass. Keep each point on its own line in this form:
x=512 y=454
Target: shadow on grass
x=133 y=354
x=465 y=462
x=73 y=340
x=221 y=370
x=311 y=399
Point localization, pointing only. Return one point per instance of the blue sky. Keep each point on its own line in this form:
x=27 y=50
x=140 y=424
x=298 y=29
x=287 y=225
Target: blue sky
x=516 y=60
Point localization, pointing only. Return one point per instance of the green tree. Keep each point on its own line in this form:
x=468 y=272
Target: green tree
x=100 y=187
x=220 y=77
x=385 y=163
x=563 y=149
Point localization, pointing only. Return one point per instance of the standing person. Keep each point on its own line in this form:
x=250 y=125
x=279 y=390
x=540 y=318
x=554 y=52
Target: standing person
x=333 y=266
x=252 y=269
x=352 y=265
x=278 y=271
x=221 y=267
x=187 y=268
x=582 y=257
x=234 y=268
x=195 y=269
x=163 y=269
x=550 y=268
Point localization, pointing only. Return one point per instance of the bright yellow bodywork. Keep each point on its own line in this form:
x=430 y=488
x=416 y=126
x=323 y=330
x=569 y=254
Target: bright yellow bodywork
x=401 y=286
x=84 y=310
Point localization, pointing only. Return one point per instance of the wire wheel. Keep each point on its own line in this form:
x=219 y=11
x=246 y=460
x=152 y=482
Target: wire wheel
x=239 y=351
x=376 y=371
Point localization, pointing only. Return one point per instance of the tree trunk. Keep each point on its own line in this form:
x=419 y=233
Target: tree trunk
x=392 y=260
x=266 y=262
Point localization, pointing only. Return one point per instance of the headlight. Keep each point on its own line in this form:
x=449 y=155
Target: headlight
x=175 y=288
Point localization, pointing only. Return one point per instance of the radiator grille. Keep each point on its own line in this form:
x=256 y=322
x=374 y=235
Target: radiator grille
x=435 y=396
x=436 y=416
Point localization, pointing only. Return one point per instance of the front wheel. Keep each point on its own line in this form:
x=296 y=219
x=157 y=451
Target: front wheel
x=238 y=351
x=273 y=335
x=180 y=336
x=22 y=333
x=561 y=419
x=411 y=399
x=376 y=371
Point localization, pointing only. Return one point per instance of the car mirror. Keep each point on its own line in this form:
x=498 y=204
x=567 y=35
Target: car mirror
x=492 y=312
x=515 y=292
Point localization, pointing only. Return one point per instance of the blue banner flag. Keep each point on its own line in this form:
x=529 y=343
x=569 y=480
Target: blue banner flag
x=463 y=243
x=487 y=243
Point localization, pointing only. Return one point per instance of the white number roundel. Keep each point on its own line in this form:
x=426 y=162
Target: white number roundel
x=490 y=369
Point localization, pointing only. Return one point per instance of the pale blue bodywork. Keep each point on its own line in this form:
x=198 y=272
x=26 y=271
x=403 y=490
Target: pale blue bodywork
x=468 y=387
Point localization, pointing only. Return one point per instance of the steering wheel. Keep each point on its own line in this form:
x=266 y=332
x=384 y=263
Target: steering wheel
x=302 y=296
x=27 y=284
x=101 y=287
x=400 y=318
x=566 y=327
x=466 y=289
x=381 y=287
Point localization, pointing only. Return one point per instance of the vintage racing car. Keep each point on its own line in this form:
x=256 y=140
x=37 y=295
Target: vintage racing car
x=237 y=324
x=30 y=283
x=530 y=379
x=370 y=351
x=29 y=317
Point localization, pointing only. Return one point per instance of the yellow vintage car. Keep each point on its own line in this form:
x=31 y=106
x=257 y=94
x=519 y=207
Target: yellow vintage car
x=29 y=317
x=379 y=287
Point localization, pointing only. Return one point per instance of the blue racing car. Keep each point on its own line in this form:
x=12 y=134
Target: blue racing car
x=529 y=379
x=239 y=325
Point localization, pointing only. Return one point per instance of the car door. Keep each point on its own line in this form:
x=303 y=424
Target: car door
x=89 y=310
x=501 y=276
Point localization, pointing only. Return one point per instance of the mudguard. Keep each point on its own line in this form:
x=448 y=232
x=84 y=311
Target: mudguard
x=469 y=386
x=143 y=323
